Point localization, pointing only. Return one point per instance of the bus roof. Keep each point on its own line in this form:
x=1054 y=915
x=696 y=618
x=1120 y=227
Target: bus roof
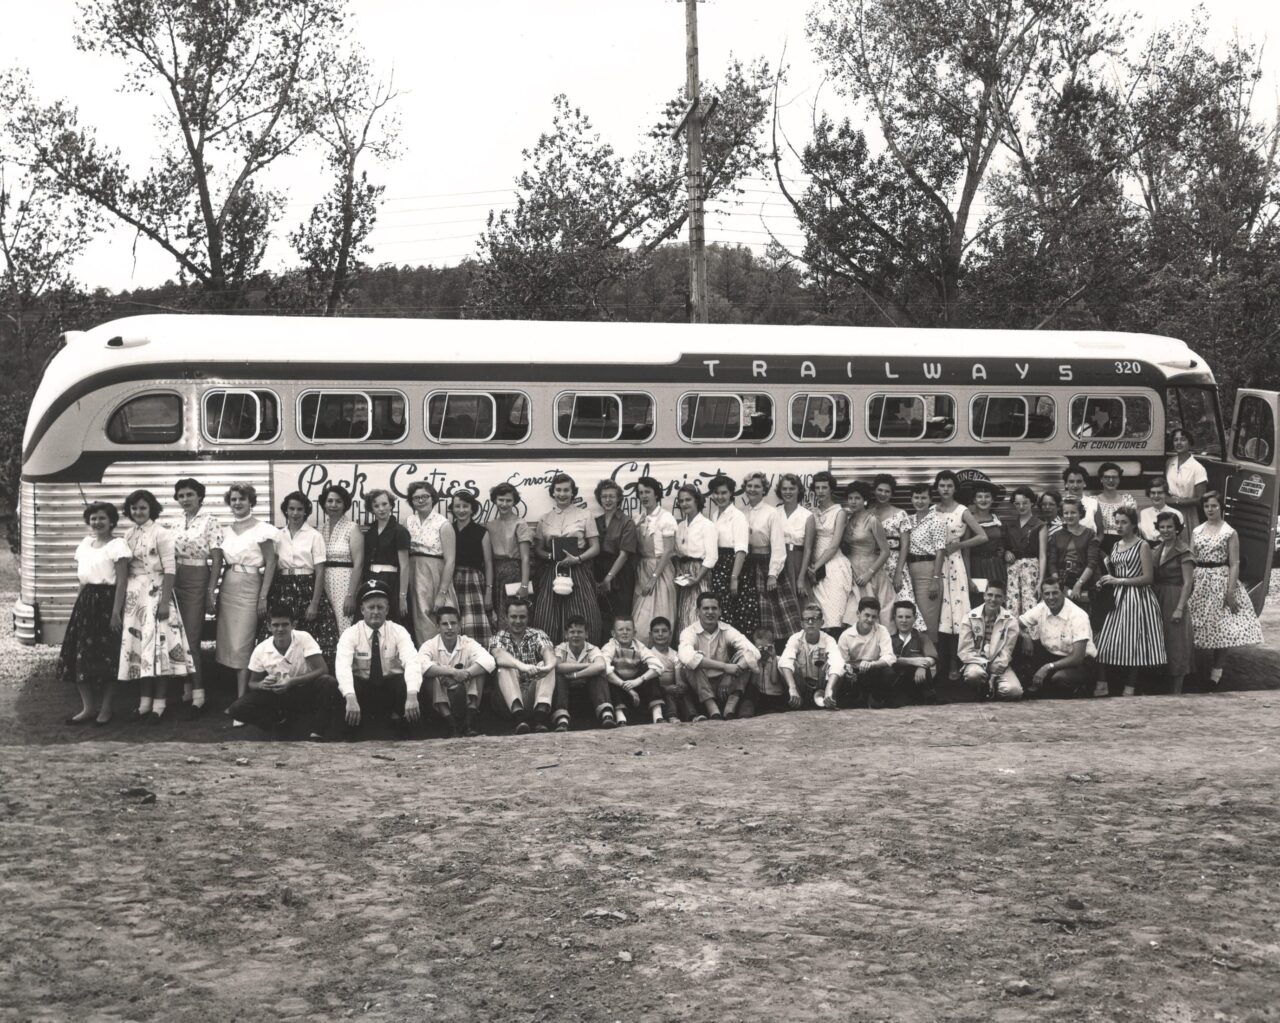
x=209 y=341
x=221 y=339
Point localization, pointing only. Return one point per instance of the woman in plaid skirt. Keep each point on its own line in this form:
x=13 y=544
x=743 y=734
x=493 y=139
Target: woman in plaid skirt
x=778 y=607
x=472 y=570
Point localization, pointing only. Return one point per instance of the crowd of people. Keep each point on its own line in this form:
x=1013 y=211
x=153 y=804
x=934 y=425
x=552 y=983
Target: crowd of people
x=833 y=597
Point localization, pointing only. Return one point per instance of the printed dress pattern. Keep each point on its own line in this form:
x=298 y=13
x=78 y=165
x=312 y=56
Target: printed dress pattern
x=1215 y=627
x=151 y=648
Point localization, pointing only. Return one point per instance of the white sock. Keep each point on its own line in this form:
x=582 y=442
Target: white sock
x=158 y=706
x=144 y=705
x=197 y=698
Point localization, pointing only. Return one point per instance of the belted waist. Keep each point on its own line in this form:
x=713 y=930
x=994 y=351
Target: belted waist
x=914 y=558
x=295 y=571
x=1213 y=564
x=424 y=554
x=246 y=569
x=192 y=562
x=384 y=568
x=338 y=564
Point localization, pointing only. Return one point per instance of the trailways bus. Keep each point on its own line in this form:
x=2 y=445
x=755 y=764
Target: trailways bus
x=294 y=403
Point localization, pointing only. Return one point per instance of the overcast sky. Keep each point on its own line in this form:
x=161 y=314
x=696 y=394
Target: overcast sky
x=478 y=78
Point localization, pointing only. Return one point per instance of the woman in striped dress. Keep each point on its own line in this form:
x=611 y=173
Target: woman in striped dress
x=696 y=555
x=778 y=606
x=830 y=577
x=1024 y=553
x=1132 y=635
x=1222 y=614
x=432 y=560
x=895 y=522
x=567 y=540
x=344 y=550
x=655 y=586
x=473 y=569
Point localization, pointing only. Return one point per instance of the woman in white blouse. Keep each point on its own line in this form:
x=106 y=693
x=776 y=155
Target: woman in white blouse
x=298 y=583
x=249 y=560
x=91 y=645
x=830 y=575
x=798 y=531
x=195 y=545
x=1186 y=478
x=655 y=587
x=728 y=580
x=777 y=607
x=154 y=645
x=696 y=554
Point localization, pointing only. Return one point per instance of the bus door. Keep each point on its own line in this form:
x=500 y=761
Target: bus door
x=1252 y=487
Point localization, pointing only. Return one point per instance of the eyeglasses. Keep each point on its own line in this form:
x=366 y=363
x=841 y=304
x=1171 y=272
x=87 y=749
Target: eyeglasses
x=421 y=497
x=811 y=621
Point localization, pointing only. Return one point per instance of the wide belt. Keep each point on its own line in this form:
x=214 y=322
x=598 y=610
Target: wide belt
x=192 y=562
x=1213 y=564
x=424 y=554
x=246 y=569
x=384 y=568
x=295 y=571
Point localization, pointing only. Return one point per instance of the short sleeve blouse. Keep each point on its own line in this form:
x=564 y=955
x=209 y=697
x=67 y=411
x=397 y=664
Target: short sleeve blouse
x=1183 y=479
x=300 y=551
x=383 y=548
x=242 y=548
x=617 y=535
x=424 y=534
x=96 y=566
x=794 y=525
x=506 y=534
x=573 y=521
x=151 y=548
x=195 y=538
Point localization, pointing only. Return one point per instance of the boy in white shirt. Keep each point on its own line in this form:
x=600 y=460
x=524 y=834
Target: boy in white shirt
x=868 y=658
x=811 y=665
x=675 y=692
x=632 y=672
x=457 y=666
x=580 y=665
x=289 y=683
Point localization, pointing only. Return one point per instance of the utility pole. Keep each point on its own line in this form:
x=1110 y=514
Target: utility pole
x=693 y=180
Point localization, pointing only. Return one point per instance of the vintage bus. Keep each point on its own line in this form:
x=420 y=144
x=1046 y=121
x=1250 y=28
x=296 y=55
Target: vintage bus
x=293 y=403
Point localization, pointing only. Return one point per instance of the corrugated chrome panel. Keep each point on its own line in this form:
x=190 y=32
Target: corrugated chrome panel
x=53 y=523
x=1039 y=472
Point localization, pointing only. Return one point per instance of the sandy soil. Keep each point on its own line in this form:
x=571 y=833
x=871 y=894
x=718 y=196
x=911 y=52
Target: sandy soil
x=1076 y=860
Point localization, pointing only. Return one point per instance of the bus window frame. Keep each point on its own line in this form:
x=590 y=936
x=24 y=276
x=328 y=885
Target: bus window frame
x=1026 y=418
x=924 y=420
x=736 y=438
x=1124 y=414
x=258 y=401
x=616 y=396
x=166 y=392
x=368 y=397
x=833 y=397
x=493 y=419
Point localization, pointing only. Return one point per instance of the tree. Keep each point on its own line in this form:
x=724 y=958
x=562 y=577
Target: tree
x=587 y=218
x=944 y=86
x=353 y=122
x=236 y=79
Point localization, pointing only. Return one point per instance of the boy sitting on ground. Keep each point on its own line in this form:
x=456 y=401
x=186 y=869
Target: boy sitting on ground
x=917 y=661
x=868 y=658
x=580 y=665
x=457 y=666
x=675 y=693
x=289 y=683
x=811 y=665
x=632 y=672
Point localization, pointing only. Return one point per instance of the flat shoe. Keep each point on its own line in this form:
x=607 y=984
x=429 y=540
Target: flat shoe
x=73 y=720
x=100 y=723
x=523 y=727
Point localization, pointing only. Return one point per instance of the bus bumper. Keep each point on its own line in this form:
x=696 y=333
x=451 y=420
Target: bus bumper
x=26 y=623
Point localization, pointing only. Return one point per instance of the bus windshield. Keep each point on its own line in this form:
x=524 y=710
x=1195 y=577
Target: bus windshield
x=1195 y=409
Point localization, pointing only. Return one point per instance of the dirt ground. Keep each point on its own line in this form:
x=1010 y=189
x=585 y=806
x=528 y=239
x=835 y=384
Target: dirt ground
x=1075 y=860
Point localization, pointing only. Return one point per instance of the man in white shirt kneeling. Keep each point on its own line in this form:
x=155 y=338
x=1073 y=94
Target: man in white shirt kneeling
x=456 y=666
x=1056 y=650
x=289 y=683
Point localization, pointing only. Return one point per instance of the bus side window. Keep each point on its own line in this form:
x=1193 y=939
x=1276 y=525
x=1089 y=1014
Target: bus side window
x=234 y=416
x=1111 y=416
x=147 y=419
x=513 y=416
x=823 y=417
x=1011 y=416
x=460 y=417
x=899 y=417
x=726 y=417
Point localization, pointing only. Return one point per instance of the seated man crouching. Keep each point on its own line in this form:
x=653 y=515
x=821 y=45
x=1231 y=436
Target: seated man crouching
x=457 y=666
x=632 y=671
x=917 y=658
x=1055 y=646
x=988 y=641
x=289 y=683
x=378 y=671
x=811 y=665
x=525 y=672
x=716 y=658
x=868 y=656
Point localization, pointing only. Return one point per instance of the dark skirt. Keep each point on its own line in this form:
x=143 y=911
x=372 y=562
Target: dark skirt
x=473 y=616
x=294 y=591
x=91 y=647
x=505 y=570
x=743 y=610
x=992 y=568
x=551 y=611
x=617 y=601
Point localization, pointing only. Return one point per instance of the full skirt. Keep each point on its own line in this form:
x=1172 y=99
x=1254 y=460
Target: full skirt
x=551 y=611
x=779 y=611
x=91 y=647
x=424 y=595
x=473 y=614
x=832 y=590
x=505 y=571
x=660 y=603
x=955 y=594
x=879 y=586
x=151 y=647
x=1020 y=597
x=1215 y=627
x=1132 y=634
x=294 y=592
x=741 y=609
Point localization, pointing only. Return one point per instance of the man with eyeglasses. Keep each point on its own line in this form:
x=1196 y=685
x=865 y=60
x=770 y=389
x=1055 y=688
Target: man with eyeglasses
x=811 y=664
